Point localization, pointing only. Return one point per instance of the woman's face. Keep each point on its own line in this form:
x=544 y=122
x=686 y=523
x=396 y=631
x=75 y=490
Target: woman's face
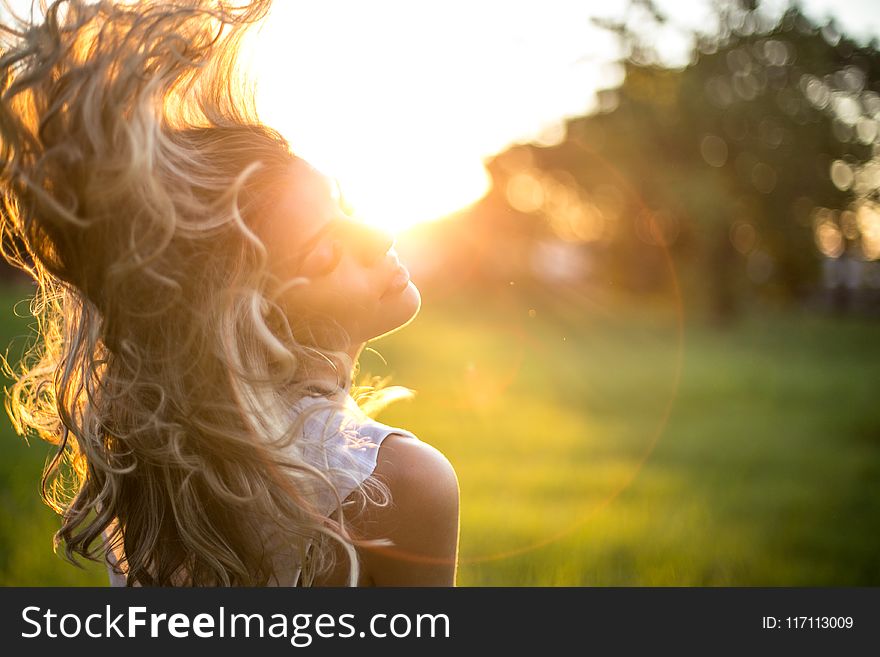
x=354 y=274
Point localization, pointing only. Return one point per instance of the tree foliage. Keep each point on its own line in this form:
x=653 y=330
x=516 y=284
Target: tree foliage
x=748 y=165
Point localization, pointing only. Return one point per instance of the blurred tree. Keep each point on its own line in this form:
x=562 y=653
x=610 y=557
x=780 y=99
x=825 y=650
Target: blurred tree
x=738 y=164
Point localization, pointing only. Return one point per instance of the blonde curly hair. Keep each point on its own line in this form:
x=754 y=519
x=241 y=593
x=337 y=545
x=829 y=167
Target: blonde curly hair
x=136 y=179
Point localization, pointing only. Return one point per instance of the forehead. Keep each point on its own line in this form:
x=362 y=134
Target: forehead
x=307 y=200
x=307 y=194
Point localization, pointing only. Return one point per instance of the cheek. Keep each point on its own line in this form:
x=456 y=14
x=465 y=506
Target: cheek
x=349 y=300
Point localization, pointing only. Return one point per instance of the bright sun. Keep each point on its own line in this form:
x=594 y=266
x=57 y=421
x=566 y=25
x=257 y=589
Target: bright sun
x=368 y=124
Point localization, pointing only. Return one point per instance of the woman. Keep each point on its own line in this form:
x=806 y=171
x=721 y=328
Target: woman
x=202 y=301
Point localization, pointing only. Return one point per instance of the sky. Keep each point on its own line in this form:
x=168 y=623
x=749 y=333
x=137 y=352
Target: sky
x=859 y=18
x=402 y=101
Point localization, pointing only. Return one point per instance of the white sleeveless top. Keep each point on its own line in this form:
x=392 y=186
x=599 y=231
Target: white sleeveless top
x=347 y=453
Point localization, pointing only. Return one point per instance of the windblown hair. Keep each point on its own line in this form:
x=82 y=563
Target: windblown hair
x=135 y=180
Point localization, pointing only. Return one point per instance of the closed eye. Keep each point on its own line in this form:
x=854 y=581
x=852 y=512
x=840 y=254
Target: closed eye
x=324 y=259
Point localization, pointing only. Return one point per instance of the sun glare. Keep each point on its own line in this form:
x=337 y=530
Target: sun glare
x=385 y=177
x=379 y=97
x=398 y=189
x=370 y=130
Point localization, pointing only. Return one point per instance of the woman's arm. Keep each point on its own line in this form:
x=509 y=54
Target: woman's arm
x=422 y=519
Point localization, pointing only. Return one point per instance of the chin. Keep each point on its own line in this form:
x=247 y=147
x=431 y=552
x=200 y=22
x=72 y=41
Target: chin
x=399 y=310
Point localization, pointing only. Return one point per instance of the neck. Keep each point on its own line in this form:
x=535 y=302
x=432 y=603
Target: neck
x=324 y=379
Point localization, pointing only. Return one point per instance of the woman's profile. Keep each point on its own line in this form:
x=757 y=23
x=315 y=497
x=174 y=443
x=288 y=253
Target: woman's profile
x=202 y=300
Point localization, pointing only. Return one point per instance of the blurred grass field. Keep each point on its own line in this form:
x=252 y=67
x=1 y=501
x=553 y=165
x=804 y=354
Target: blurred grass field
x=767 y=472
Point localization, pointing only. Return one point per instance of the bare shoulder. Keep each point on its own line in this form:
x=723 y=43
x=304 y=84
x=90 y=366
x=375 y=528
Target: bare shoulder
x=417 y=469
x=422 y=519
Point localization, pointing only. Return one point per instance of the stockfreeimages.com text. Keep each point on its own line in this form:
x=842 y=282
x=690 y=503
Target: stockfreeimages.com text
x=300 y=629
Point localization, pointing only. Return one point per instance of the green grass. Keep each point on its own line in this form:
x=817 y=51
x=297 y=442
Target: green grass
x=766 y=472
